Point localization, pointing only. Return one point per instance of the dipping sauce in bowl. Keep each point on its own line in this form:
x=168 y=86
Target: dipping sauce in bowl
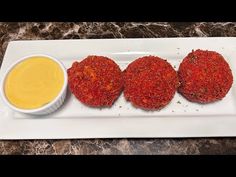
x=35 y=82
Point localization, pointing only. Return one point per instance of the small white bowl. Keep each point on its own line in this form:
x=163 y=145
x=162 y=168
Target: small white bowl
x=46 y=109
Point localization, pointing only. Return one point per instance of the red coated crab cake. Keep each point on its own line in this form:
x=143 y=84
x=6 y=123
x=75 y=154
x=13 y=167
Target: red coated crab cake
x=96 y=81
x=204 y=76
x=150 y=83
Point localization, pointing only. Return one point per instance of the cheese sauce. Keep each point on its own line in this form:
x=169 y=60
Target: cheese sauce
x=34 y=82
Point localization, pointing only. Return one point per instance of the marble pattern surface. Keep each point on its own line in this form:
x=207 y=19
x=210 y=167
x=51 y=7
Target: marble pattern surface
x=88 y=30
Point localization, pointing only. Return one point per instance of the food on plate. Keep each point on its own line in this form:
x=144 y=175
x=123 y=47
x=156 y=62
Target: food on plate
x=205 y=76
x=96 y=81
x=150 y=83
x=33 y=82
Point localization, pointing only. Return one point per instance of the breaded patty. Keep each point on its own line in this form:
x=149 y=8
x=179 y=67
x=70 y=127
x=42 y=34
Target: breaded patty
x=96 y=81
x=205 y=76
x=150 y=83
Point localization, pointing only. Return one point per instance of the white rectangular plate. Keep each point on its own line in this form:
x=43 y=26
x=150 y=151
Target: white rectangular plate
x=74 y=120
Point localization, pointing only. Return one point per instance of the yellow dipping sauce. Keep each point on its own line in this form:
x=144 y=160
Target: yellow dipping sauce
x=34 y=82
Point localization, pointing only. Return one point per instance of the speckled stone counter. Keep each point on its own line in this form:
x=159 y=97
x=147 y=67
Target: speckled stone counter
x=35 y=31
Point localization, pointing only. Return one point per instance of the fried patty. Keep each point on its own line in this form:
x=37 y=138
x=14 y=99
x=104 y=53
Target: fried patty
x=96 y=81
x=150 y=83
x=205 y=76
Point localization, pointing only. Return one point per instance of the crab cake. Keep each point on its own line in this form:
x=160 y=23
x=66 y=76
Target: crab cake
x=205 y=76
x=96 y=81
x=150 y=83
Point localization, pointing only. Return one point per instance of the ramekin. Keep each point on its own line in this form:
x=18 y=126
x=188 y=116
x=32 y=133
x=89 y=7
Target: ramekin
x=46 y=109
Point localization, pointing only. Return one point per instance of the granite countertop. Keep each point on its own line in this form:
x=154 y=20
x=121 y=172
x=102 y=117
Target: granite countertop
x=34 y=31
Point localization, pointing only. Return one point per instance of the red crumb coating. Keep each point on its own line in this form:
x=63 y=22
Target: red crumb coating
x=150 y=83
x=205 y=76
x=96 y=81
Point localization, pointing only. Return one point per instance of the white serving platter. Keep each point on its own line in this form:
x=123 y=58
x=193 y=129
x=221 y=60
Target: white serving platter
x=180 y=118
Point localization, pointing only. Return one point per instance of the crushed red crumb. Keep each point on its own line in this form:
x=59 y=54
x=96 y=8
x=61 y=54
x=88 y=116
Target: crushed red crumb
x=150 y=83
x=95 y=81
x=205 y=76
